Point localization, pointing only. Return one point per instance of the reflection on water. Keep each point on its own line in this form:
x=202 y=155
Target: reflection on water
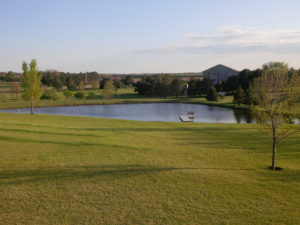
x=150 y=112
x=243 y=116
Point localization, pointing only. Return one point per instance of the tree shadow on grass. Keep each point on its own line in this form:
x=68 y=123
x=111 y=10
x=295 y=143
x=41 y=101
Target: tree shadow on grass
x=77 y=173
x=16 y=177
x=285 y=175
x=66 y=143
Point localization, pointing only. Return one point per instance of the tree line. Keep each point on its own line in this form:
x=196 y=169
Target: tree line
x=159 y=85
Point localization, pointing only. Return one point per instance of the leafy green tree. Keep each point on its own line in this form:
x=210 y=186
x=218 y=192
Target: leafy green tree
x=108 y=89
x=275 y=93
x=80 y=94
x=239 y=96
x=127 y=80
x=68 y=93
x=81 y=86
x=95 y=84
x=212 y=94
x=32 y=84
x=58 y=84
x=117 y=85
x=176 y=87
x=102 y=82
x=249 y=97
x=9 y=76
x=50 y=95
x=231 y=84
x=146 y=86
x=71 y=85
x=162 y=84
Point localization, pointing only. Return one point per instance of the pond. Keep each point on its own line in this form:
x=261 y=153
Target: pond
x=149 y=112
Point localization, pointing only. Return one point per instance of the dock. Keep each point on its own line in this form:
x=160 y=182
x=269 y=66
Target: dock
x=184 y=118
x=187 y=118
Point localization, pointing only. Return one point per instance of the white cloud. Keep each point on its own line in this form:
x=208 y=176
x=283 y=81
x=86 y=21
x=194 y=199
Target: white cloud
x=236 y=39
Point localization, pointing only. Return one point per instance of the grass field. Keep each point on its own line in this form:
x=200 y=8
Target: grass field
x=76 y=170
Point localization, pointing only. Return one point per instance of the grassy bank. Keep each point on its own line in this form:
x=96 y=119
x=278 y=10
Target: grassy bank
x=123 y=96
x=73 y=170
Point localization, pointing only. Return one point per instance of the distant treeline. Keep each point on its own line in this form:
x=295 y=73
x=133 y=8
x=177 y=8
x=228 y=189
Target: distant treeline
x=160 y=85
x=48 y=75
x=166 y=85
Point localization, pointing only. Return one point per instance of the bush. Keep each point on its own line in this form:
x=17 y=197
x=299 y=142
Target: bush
x=212 y=94
x=50 y=95
x=91 y=95
x=68 y=93
x=80 y=94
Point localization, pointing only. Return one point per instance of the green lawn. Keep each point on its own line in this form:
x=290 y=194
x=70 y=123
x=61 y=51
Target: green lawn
x=76 y=170
x=123 y=96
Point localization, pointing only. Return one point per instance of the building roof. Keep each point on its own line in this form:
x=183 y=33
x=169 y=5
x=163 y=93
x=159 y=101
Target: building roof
x=220 y=66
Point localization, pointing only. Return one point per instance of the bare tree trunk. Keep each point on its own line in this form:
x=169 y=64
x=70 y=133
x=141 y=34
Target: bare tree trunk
x=32 y=112
x=274 y=149
x=273 y=157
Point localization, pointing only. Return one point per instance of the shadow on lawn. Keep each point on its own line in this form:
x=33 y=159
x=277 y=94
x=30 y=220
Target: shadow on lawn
x=12 y=177
x=77 y=173
x=68 y=143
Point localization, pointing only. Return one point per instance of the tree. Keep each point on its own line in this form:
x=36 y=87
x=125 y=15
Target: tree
x=108 y=89
x=117 y=85
x=162 y=85
x=95 y=84
x=68 y=93
x=32 y=84
x=50 y=95
x=102 y=82
x=176 y=87
x=249 y=97
x=58 y=84
x=128 y=80
x=71 y=83
x=81 y=86
x=275 y=93
x=239 y=96
x=9 y=76
x=80 y=94
x=212 y=94
x=231 y=84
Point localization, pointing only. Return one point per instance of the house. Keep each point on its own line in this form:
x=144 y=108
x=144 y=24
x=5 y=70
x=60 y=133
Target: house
x=219 y=73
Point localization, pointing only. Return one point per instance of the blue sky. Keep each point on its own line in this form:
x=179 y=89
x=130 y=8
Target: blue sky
x=140 y=36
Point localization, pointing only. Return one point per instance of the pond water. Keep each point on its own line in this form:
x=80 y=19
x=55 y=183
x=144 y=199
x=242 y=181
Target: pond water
x=149 y=112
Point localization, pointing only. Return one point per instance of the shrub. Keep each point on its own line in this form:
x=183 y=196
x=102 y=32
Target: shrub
x=50 y=95
x=68 y=93
x=80 y=94
x=91 y=95
x=212 y=94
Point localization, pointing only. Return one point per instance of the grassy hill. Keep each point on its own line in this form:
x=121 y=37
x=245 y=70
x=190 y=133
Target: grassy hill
x=75 y=170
